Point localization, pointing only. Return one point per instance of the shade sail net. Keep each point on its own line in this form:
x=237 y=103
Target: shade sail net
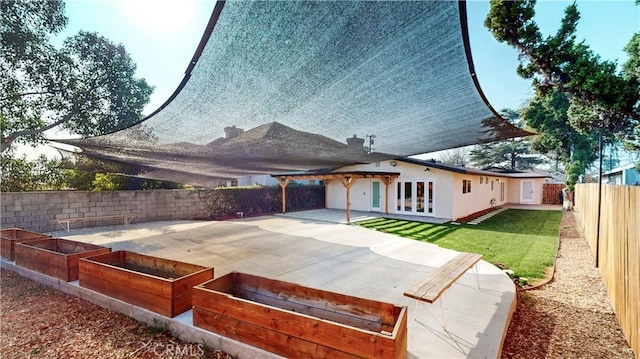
x=280 y=86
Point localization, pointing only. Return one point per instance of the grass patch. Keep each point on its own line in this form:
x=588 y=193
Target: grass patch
x=523 y=240
x=159 y=326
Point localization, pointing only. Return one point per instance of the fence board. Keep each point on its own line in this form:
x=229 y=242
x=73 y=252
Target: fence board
x=552 y=193
x=618 y=248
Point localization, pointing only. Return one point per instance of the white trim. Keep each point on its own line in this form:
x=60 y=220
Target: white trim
x=414 y=192
x=379 y=208
x=531 y=194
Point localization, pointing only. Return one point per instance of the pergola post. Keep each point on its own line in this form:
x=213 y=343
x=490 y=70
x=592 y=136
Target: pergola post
x=387 y=180
x=326 y=191
x=347 y=182
x=346 y=178
x=284 y=181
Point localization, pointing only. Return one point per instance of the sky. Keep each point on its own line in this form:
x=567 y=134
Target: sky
x=162 y=35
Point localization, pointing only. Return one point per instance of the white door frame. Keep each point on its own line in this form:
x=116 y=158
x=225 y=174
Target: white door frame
x=373 y=194
x=399 y=198
x=523 y=195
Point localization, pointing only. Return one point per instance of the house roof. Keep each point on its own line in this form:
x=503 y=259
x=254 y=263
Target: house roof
x=327 y=173
x=475 y=171
x=619 y=169
x=299 y=76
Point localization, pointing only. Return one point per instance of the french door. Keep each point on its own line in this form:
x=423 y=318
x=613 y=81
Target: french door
x=415 y=197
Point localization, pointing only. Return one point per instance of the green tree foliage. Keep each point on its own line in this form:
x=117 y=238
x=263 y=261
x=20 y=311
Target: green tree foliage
x=87 y=87
x=18 y=174
x=599 y=96
x=549 y=116
x=513 y=154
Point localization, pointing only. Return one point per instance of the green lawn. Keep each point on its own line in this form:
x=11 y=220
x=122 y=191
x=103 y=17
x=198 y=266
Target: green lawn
x=523 y=240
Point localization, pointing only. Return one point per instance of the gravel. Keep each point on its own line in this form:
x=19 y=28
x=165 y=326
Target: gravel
x=571 y=316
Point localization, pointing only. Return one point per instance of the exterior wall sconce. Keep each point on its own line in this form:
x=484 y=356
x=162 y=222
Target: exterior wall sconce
x=427 y=169
x=393 y=163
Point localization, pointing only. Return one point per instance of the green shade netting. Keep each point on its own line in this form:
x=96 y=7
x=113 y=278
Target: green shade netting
x=281 y=85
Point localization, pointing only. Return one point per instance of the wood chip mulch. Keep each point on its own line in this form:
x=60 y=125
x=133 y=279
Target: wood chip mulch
x=570 y=317
x=39 y=322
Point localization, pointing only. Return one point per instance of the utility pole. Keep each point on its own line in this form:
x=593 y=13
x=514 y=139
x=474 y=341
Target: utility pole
x=601 y=117
x=370 y=148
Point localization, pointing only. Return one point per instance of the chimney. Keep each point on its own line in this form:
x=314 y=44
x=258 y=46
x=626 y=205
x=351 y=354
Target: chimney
x=355 y=145
x=232 y=131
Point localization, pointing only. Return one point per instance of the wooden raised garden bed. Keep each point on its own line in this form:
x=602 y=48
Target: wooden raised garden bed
x=55 y=257
x=10 y=236
x=299 y=322
x=161 y=285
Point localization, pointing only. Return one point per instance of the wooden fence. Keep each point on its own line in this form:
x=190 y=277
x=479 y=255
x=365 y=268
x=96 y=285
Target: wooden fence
x=552 y=193
x=617 y=248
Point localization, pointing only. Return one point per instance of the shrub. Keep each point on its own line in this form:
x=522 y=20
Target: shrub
x=259 y=200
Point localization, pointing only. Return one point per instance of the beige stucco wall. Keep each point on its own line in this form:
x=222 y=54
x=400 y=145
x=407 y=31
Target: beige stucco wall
x=361 y=190
x=480 y=196
x=515 y=189
x=449 y=200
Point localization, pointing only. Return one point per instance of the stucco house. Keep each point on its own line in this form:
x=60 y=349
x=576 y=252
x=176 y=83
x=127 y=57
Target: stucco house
x=433 y=189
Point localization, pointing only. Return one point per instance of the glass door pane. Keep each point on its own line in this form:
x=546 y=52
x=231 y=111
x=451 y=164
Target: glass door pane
x=399 y=196
x=408 y=199
x=430 y=198
x=375 y=195
x=420 y=197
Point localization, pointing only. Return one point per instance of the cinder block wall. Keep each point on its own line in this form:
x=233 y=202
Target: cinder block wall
x=37 y=211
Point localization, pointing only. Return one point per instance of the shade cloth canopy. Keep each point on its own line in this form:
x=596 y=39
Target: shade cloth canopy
x=279 y=86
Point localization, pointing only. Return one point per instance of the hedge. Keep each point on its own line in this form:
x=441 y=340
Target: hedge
x=258 y=200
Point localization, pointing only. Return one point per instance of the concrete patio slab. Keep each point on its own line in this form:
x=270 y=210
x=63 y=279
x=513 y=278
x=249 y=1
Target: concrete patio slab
x=467 y=321
x=340 y=216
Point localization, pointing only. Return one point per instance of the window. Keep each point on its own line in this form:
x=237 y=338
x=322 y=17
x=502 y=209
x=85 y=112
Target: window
x=466 y=186
x=481 y=180
x=491 y=186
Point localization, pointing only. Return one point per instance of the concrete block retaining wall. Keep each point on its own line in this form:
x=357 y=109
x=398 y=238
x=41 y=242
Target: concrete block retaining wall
x=37 y=211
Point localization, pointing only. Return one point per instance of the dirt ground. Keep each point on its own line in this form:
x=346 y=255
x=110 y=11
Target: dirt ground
x=40 y=322
x=570 y=317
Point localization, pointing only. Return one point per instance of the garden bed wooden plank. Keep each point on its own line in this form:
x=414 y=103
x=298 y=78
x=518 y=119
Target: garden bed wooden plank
x=160 y=285
x=297 y=321
x=55 y=257
x=9 y=237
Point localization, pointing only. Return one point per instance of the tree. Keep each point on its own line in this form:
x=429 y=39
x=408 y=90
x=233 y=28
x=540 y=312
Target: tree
x=458 y=156
x=87 y=87
x=513 y=154
x=599 y=96
x=18 y=174
x=95 y=175
x=549 y=116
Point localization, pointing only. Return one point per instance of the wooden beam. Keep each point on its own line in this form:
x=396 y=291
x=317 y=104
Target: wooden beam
x=347 y=179
x=284 y=181
x=347 y=182
x=387 y=182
